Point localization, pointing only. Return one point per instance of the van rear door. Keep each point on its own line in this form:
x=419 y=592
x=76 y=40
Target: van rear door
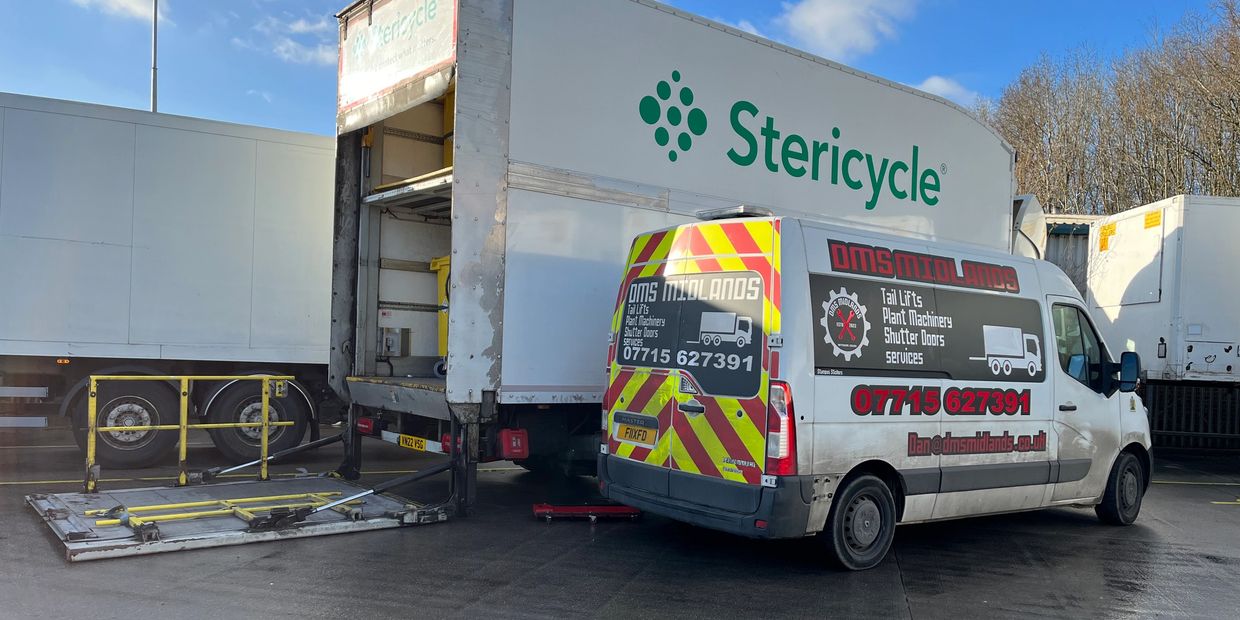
x=690 y=366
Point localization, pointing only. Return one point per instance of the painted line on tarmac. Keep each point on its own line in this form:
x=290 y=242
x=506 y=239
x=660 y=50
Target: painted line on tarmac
x=7 y=483
x=1202 y=483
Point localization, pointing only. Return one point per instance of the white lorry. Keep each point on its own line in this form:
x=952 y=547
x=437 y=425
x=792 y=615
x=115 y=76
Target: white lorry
x=153 y=244
x=1160 y=282
x=529 y=140
x=716 y=328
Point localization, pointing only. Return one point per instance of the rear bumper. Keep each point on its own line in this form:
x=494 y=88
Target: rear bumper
x=710 y=502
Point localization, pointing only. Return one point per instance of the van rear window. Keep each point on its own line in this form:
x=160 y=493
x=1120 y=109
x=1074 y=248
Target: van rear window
x=708 y=325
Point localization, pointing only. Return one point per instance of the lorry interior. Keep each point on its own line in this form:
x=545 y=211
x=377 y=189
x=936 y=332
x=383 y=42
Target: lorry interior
x=407 y=226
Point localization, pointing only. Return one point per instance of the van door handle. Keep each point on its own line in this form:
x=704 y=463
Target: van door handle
x=691 y=407
x=1067 y=407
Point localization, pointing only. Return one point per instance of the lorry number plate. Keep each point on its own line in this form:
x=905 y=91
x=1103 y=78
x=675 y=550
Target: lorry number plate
x=413 y=443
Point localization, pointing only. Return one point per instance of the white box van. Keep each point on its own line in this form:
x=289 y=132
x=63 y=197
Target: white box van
x=868 y=395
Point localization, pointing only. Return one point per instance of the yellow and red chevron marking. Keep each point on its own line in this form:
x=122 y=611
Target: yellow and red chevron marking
x=728 y=440
x=642 y=391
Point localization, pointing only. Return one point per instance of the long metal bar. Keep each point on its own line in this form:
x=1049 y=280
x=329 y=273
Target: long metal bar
x=215 y=502
x=383 y=486
x=193 y=377
x=174 y=427
x=219 y=512
x=183 y=450
x=318 y=443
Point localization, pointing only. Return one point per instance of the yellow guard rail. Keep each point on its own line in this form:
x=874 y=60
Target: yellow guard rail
x=93 y=429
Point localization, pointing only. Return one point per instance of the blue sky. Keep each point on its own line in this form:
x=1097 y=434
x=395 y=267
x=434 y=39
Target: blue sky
x=272 y=62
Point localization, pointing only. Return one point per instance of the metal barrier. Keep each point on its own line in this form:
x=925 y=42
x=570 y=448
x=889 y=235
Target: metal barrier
x=93 y=429
x=1198 y=416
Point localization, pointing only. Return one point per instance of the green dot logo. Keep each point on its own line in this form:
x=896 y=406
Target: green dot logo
x=670 y=111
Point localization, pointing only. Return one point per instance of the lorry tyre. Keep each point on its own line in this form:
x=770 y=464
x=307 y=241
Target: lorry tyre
x=741 y=342
x=130 y=403
x=1121 y=502
x=861 y=524
x=1033 y=370
x=995 y=367
x=243 y=402
x=1007 y=368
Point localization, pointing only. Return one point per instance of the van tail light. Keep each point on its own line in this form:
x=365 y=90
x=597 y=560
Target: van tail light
x=781 y=432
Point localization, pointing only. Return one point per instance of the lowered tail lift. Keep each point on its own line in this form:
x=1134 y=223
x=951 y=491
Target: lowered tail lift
x=201 y=511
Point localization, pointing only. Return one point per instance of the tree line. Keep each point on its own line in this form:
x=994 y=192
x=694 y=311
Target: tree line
x=1100 y=137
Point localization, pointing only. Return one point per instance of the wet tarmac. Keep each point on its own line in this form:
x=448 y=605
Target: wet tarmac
x=1181 y=559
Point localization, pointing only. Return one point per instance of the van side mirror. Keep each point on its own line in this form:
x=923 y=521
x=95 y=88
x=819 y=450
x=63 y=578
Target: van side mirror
x=1129 y=371
x=1078 y=367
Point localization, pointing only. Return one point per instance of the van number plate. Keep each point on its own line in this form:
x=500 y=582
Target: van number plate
x=637 y=434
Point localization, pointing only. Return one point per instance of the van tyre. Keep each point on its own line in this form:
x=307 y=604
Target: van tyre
x=861 y=524
x=242 y=402
x=130 y=403
x=1121 y=503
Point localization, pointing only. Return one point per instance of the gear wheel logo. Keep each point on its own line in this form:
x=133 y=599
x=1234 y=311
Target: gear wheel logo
x=844 y=319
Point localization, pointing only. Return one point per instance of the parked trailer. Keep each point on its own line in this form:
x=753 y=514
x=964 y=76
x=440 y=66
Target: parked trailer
x=1160 y=284
x=153 y=244
x=529 y=141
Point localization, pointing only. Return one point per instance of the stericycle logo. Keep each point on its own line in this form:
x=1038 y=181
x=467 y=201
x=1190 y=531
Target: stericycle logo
x=693 y=119
x=784 y=152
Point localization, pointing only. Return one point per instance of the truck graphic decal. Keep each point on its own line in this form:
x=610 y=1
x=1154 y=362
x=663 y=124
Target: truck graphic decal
x=888 y=327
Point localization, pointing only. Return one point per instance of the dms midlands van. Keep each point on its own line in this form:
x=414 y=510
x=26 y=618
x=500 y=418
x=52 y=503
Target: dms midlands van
x=890 y=380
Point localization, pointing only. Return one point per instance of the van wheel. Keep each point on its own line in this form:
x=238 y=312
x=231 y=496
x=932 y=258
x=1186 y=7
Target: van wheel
x=1007 y=368
x=130 y=403
x=1125 y=488
x=243 y=402
x=861 y=524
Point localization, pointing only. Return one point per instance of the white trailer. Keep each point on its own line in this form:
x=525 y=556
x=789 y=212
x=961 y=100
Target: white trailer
x=141 y=243
x=531 y=140
x=1161 y=283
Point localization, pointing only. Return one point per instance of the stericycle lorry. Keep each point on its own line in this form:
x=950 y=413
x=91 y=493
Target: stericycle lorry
x=496 y=158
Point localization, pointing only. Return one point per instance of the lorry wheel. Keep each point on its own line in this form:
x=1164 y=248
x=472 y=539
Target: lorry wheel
x=1033 y=370
x=861 y=524
x=741 y=342
x=995 y=368
x=243 y=402
x=1007 y=368
x=130 y=403
x=1121 y=503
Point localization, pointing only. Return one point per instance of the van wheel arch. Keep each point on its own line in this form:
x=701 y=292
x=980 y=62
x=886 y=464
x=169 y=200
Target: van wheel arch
x=885 y=472
x=1143 y=457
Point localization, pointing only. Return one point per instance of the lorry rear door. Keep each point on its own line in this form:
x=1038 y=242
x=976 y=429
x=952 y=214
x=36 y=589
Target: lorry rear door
x=690 y=370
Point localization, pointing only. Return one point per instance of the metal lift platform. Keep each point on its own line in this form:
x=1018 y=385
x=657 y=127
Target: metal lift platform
x=111 y=524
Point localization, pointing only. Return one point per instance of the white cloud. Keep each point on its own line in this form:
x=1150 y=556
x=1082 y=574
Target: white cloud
x=300 y=40
x=743 y=24
x=320 y=25
x=842 y=29
x=261 y=94
x=948 y=88
x=136 y=9
x=292 y=51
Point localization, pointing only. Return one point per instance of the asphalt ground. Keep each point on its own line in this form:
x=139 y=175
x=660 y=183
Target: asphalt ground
x=1181 y=558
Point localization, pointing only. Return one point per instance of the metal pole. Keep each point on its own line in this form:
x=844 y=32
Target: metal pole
x=182 y=465
x=262 y=475
x=91 y=408
x=154 y=55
